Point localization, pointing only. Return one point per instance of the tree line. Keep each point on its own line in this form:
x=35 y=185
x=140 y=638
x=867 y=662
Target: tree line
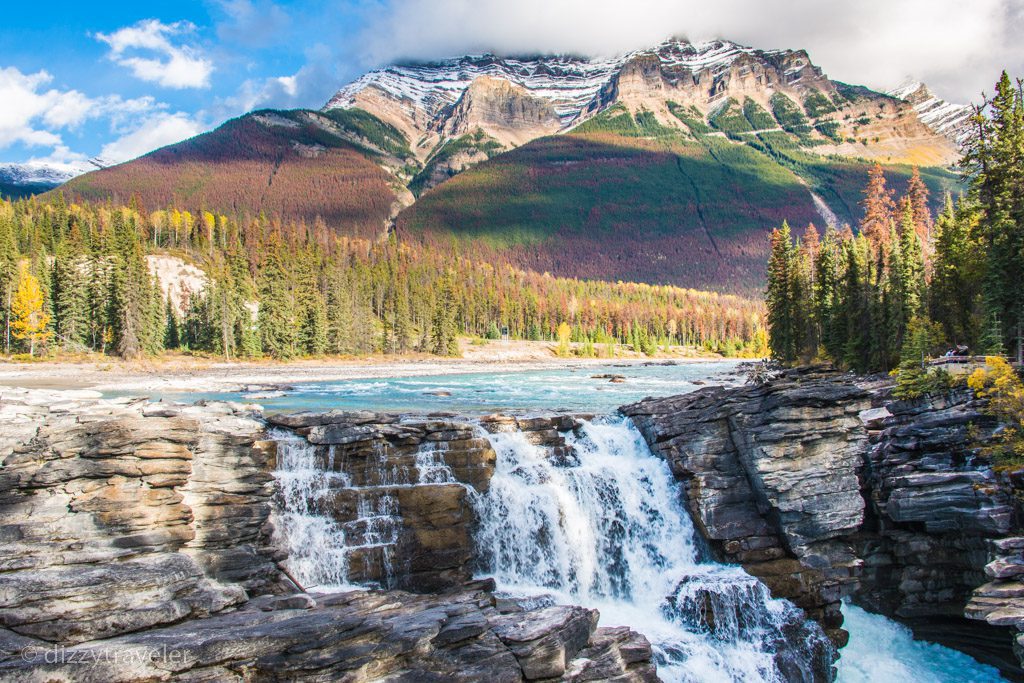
x=908 y=284
x=80 y=277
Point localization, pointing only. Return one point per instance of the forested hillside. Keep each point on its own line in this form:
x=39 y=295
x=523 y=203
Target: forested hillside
x=75 y=277
x=623 y=197
x=298 y=165
x=908 y=287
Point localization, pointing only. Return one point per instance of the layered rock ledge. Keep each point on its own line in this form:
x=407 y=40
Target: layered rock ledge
x=825 y=487
x=137 y=544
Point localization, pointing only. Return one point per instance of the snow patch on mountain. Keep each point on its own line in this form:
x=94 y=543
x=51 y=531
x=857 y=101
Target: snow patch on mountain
x=45 y=174
x=568 y=83
x=945 y=118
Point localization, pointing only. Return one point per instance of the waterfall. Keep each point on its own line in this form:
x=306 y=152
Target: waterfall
x=596 y=522
x=315 y=542
x=311 y=488
x=603 y=526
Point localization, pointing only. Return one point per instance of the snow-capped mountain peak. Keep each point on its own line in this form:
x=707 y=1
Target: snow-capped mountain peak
x=945 y=118
x=417 y=97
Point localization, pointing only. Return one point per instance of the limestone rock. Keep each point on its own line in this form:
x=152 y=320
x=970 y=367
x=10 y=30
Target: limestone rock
x=119 y=517
x=823 y=487
x=361 y=635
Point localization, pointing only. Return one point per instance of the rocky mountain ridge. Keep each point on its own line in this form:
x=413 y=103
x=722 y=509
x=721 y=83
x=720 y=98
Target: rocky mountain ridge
x=421 y=99
x=946 y=118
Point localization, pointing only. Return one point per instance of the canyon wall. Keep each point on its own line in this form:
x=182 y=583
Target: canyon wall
x=825 y=487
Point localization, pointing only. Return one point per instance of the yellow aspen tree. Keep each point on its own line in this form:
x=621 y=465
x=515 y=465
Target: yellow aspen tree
x=564 y=333
x=28 y=319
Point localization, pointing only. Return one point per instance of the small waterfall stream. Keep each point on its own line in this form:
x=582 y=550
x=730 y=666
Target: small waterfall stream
x=316 y=544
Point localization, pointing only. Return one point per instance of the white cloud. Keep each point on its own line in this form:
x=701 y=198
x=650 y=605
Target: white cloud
x=156 y=131
x=26 y=105
x=254 y=24
x=957 y=47
x=35 y=116
x=147 y=50
x=32 y=115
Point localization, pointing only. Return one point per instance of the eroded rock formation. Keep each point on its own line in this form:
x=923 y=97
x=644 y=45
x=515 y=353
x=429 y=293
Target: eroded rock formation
x=136 y=545
x=825 y=487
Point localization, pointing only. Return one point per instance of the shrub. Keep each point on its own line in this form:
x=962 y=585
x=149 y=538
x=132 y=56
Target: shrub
x=998 y=383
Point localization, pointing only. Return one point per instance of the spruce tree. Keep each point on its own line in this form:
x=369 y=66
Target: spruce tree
x=998 y=163
x=71 y=297
x=443 y=340
x=8 y=277
x=131 y=293
x=277 y=320
x=826 y=294
x=879 y=208
x=783 y=330
x=172 y=334
x=955 y=291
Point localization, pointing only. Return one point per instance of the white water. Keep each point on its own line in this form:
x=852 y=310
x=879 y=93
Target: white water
x=882 y=650
x=316 y=544
x=601 y=527
x=605 y=529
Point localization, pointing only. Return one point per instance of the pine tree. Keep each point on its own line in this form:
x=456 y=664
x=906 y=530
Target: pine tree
x=998 y=163
x=913 y=378
x=8 y=277
x=803 y=294
x=277 y=320
x=856 y=304
x=443 y=341
x=172 y=335
x=879 y=208
x=783 y=330
x=339 y=312
x=917 y=196
x=71 y=297
x=826 y=296
x=131 y=291
x=955 y=292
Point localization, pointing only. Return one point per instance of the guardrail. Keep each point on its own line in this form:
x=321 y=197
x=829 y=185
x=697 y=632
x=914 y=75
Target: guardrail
x=963 y=364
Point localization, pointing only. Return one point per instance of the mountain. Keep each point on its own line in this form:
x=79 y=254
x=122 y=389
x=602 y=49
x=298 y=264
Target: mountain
x=24 y=180
x=518 y=99
x=664 y=165
x=950 y=120
x=341 y=166
x=624 y=198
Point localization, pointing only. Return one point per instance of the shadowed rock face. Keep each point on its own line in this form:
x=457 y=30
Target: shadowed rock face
x=824 y=487
x=135 y=546
x=771 y=476
x=402 y=497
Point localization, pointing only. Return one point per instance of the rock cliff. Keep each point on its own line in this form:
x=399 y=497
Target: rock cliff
x=825 y=488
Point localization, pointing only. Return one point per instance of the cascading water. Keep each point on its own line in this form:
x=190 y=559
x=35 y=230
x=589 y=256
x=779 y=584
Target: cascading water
x=320 y=548
x=603 y=527
x=315 y=542
x=598 y=523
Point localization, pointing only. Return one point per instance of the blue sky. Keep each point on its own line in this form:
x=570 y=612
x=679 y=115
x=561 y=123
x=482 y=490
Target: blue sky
x=116 y=79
